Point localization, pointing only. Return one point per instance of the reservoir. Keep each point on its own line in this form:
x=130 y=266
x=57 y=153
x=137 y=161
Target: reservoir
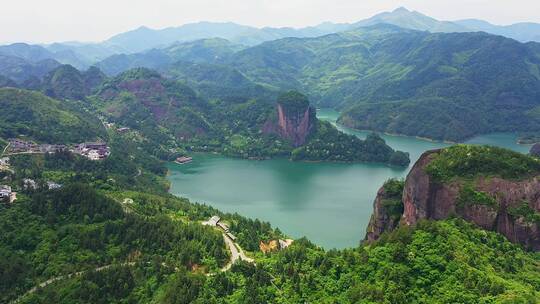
x=330 y=203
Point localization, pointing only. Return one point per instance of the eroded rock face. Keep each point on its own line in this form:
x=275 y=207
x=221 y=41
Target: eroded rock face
x=294 y=121
x=381 y=220
x=424 y=198
x=295 y=126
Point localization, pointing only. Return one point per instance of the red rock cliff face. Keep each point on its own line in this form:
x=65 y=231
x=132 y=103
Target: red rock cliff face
x=424 y=198
x=292 y=126
x=380 y=220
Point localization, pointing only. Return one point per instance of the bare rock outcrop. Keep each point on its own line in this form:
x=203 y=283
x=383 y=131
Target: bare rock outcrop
x=513 y=213
x=382 y=219
x=294 y=119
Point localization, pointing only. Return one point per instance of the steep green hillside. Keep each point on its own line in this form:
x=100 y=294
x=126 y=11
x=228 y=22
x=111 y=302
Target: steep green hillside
x=212 y=50
x=66 y=82
x=215 y=81
x=20 y=70
x=153 y=248
x=31 y=114
x=385 y=78
x=173 y=119
x=125 y=239
x=382 y=77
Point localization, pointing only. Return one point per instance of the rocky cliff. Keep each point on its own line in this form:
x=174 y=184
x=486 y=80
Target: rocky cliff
x=294 y=119
x=387 y=211
x=510 y=206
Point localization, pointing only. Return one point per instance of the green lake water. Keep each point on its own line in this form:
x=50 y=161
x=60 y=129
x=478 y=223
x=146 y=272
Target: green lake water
x=330 y=203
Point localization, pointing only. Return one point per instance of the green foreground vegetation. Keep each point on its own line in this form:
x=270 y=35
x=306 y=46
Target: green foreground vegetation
x=153 y=249
x=113 y=234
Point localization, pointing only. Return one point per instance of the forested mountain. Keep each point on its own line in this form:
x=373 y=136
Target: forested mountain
x=413 y=20
x=145 y=38
x=35 y=116
x=172 y=116
x=491 y=187
x=218 y=81
x=198 y=51
x=36 y=53
x=21 y=70
x=111 y=234
x=382 y=75
x=66 y=82
x=402 y=17
x=524 y=31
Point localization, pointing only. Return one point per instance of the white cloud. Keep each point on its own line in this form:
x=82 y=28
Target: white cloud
x=96 y=20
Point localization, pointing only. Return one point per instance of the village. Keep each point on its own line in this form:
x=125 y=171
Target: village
x=7 y=195
x=90 y=150
x=16 y=146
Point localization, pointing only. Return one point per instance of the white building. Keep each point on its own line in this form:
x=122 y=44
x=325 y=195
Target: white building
x=212 y=221
x=5 y=192
x=53 y=185
x=223 y=226
x=4 y=161
x=29 y=184
x=93 y=155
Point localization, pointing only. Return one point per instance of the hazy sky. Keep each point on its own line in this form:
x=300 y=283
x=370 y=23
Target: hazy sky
x=97 y=20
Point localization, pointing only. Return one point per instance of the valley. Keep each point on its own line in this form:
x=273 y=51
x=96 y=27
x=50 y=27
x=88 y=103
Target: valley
x=297 y=196
x=375 y=160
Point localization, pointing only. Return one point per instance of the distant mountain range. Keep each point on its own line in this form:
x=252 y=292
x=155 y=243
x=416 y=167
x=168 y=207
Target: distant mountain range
x=382 y=73
x=144 y=38
x=82 y=55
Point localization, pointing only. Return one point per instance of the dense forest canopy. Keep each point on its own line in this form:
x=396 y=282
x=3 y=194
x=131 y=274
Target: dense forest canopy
x=108 y=231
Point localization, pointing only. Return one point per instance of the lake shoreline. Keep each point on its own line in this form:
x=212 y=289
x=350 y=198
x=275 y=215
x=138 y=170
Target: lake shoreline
x=293 y=195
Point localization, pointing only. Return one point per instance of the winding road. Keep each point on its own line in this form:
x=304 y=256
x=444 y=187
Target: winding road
x=67 y=276
x=236 y=253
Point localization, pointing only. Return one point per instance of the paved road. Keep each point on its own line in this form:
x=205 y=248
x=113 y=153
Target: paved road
x=236 y=253
x=67 y=276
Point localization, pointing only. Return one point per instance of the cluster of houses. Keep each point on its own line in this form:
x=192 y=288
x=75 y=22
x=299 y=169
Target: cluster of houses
x=111 y=125
x=6 y=194
x=215 y=221
x=23 y=146
x=30 y=184
x=91 y=150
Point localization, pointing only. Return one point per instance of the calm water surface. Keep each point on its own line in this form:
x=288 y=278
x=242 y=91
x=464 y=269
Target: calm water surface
x=330 y=203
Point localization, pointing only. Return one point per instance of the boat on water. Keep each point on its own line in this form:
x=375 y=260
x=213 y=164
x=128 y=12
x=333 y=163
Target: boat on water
x=183 y=160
